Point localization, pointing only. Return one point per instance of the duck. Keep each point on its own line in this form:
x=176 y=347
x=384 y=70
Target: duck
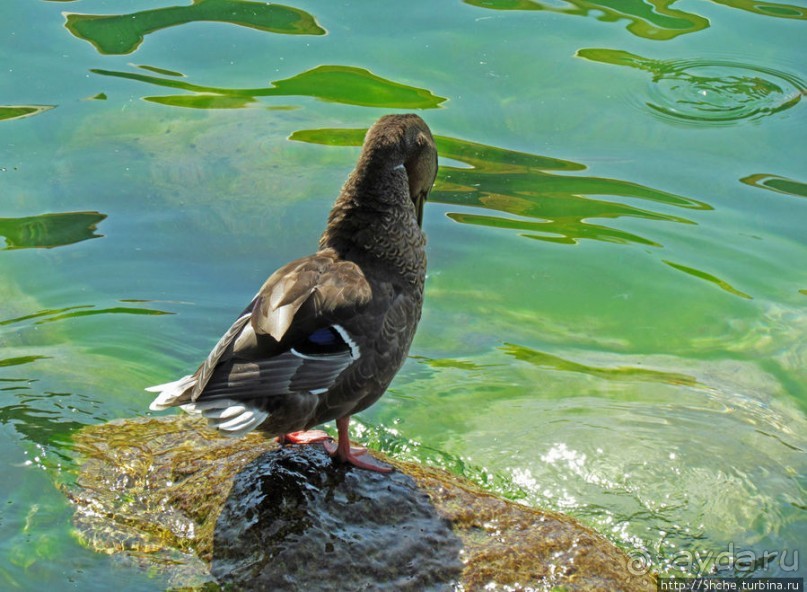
x=326 y=333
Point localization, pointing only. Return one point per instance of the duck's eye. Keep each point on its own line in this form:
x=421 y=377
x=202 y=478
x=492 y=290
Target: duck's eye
x=322 y=342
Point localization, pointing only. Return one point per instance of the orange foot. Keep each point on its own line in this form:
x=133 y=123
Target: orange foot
x=358 y=457
x=306 y=437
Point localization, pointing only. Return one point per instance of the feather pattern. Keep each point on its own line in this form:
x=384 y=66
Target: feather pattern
x=268 y=352
x=325 y=334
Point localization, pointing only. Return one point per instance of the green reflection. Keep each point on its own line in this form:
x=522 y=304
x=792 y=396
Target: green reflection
x=651 y=20
x=202 y=101
x=621 y=373
x=43 y=313
x=162 y=71
x=708 y=91
x=42 y=419
x=548 y=206
x=709 y=278
x=83 y=310
x=763 y=8
x=776 y=183
x=49 y=230
x=123 y=33
x=455 y=363
x=20 y=111
x=105 y=311
x=20 y=360
x=337 y=84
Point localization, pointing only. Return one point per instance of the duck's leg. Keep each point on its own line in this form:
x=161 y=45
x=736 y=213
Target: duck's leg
x=305 y=437
x=358 y=457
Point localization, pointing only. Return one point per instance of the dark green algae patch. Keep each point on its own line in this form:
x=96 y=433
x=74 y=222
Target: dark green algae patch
x=533 y=194
x=123 y=33
x=656 y=21
x=46 y=231
x=8 y=112
x=207 y=511
x=348 y=85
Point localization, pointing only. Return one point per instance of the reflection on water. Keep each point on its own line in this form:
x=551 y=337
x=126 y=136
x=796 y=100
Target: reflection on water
x=42 y=418
x=762 y=8
x=626 y=442
x=776 y=183
x=19 y=361
x=46 y=392
x=123 y=33
x=652 y=21
x=162 y=71
x=46 y=418
x=708 y=91
x=20 y=111
x=620 y=373
x=648 y=399
x=337 y=84
x=49 y=230
x=709 y=278
x=547 y=206
x=81 y=310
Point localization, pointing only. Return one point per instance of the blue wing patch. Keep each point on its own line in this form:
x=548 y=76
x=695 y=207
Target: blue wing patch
x=326 y=341
x=325 y=336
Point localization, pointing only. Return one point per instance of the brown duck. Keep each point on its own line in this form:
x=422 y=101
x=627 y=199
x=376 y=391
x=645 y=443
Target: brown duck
x=326 y=334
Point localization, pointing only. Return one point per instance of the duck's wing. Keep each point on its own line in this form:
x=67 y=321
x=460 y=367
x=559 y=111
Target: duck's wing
x=186 y=389
x=288 y=342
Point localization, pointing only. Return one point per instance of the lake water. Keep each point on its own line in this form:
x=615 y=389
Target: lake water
x=616 y=311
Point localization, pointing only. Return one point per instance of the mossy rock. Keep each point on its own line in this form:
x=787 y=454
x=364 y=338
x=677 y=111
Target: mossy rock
x=247 y=514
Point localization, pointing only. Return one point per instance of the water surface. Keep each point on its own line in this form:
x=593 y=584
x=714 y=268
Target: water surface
x=615 y=313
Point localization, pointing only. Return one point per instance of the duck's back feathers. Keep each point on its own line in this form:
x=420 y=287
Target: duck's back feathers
x=297 y=297
x=287 y=343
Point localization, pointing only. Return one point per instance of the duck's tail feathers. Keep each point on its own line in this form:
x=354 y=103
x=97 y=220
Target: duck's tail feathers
x=172 y=393
x=228 y=416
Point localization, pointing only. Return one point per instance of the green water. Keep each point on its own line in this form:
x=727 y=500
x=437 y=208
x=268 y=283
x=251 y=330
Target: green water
x=616 y=307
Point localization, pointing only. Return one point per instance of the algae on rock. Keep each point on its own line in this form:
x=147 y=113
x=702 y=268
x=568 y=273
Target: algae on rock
x=169 y=491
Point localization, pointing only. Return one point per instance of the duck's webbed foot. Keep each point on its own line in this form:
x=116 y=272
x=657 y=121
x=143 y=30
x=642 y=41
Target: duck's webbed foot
x=344 y=452
x=304 y=437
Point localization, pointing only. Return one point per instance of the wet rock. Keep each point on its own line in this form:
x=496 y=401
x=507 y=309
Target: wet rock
x=293 y=518
x=249 y=515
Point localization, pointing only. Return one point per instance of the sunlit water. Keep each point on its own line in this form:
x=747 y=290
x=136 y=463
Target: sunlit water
x=615 y=318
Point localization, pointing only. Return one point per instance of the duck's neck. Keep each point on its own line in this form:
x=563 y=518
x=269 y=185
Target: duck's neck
x=374 y=221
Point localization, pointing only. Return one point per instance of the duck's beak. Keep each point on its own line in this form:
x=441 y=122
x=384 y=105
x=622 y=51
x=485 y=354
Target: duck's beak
x=419 y=205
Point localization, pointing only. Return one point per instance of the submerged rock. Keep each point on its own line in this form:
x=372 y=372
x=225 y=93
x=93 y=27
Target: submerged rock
x=249 y=515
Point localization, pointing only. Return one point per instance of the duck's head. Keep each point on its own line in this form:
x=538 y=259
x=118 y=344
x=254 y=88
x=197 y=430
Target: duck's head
x=405 y=142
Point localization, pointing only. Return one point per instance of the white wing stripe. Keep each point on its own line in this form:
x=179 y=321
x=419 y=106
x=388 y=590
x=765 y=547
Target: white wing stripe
x=354 y=348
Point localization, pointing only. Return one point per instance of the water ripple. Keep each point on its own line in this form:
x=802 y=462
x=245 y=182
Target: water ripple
x=708 y=91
